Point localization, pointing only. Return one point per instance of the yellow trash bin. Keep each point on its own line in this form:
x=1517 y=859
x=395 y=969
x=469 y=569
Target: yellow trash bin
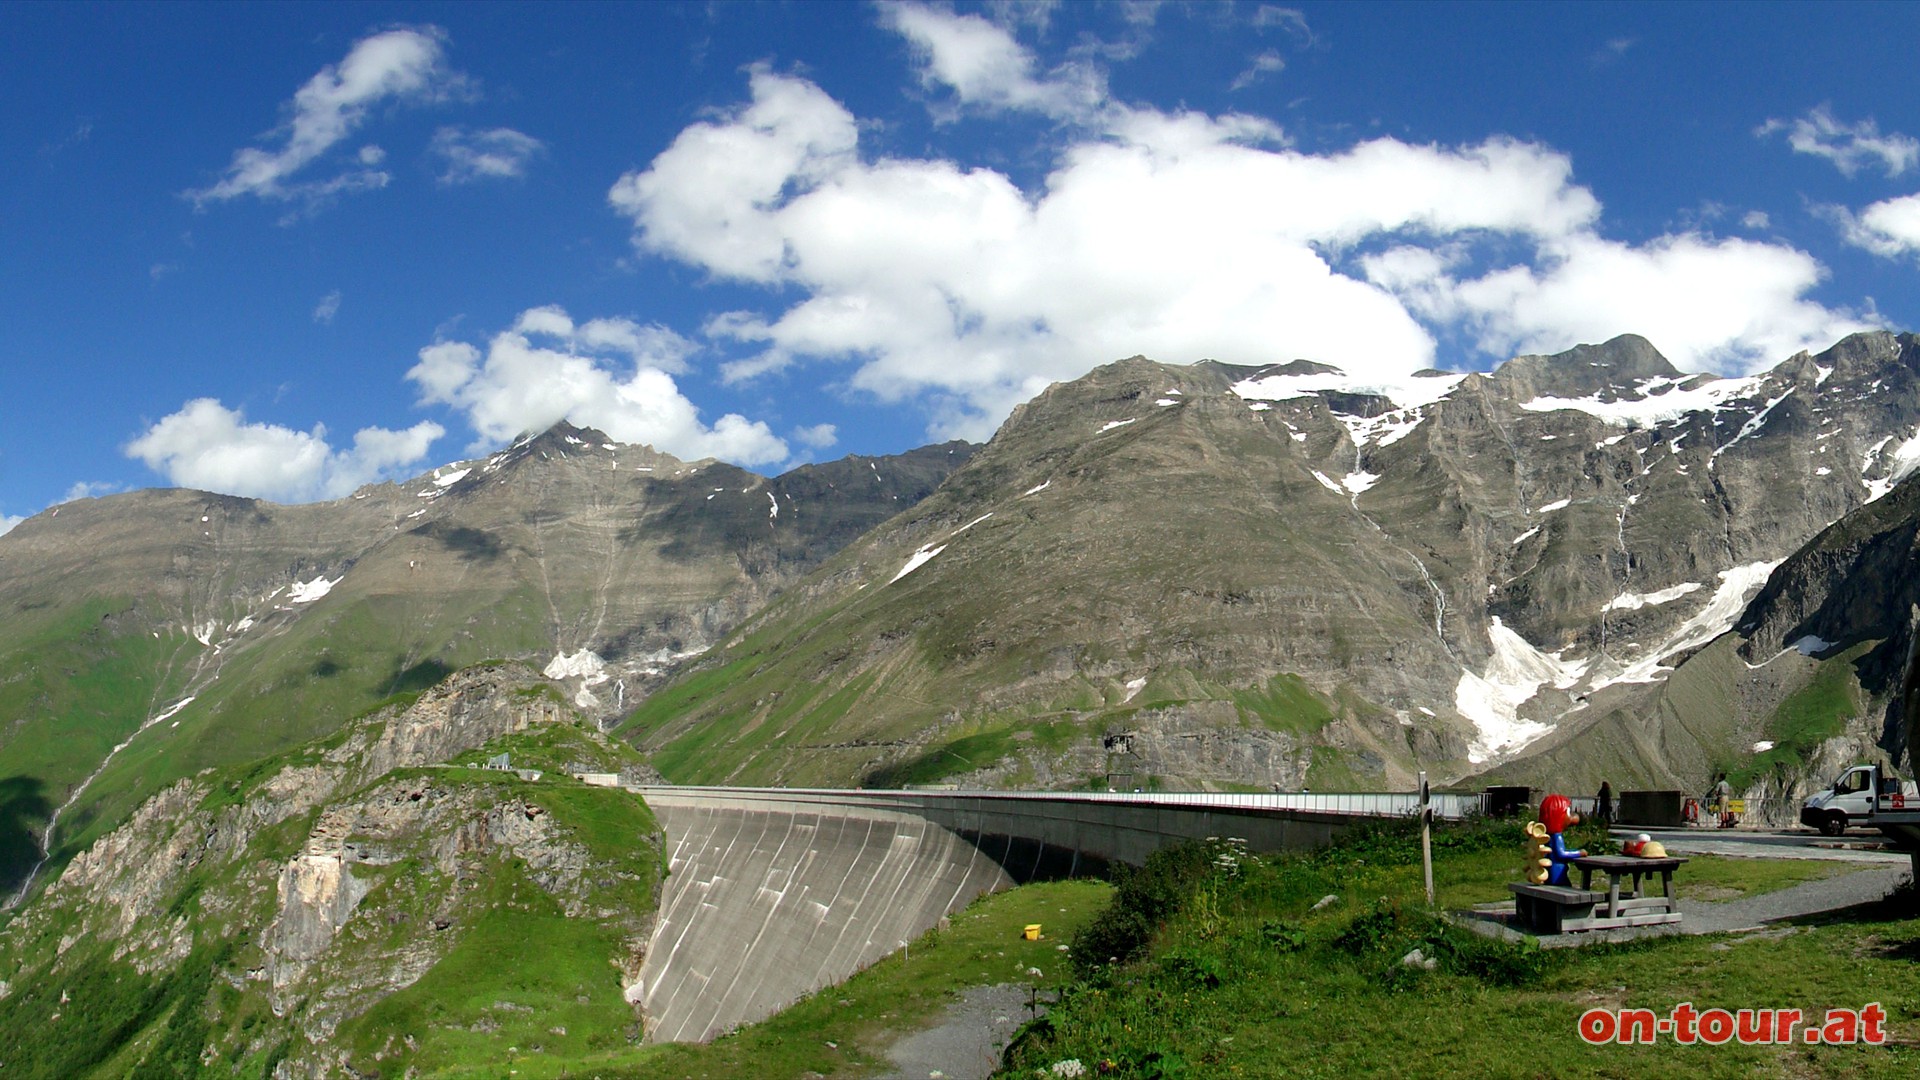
x=1033 y=931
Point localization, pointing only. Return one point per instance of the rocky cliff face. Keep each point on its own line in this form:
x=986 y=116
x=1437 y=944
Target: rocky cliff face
x=1289 y=576
x=1821 y=670
x=324 y=885
x=146 y=636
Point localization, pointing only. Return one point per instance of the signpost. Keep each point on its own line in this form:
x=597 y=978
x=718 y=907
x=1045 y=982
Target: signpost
x=1426 y=834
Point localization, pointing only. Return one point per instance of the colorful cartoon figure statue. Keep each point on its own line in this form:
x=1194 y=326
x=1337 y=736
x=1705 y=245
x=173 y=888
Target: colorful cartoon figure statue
x=1548 y=856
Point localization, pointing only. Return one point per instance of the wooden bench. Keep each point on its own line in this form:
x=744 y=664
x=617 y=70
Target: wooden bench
x=1559 y=909
x=1554 y=909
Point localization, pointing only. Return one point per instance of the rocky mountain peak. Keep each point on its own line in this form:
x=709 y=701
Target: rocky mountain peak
x=1300 y=367
x=1861 y=359
x=1610 y=368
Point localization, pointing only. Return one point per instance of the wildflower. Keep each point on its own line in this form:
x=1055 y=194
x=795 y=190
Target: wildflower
x=1068 y=1068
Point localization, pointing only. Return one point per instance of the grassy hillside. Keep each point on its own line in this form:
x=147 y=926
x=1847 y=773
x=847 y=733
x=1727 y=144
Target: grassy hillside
x=1229 y=965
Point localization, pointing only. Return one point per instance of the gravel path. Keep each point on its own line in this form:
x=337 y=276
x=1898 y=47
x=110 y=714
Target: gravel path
x=966 y=1043
x=1750 y=912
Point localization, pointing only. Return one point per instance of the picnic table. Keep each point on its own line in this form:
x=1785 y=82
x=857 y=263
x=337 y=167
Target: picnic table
x=1554 y=909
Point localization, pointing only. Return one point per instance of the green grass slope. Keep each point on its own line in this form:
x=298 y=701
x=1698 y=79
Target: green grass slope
x=1229 y=965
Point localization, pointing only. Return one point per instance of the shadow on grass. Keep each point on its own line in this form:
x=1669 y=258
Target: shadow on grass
x=24 y=807
x=424 y=675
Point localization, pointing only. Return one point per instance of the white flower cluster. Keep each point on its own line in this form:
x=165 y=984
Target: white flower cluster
x=1228 y=855
x=1069 y=1067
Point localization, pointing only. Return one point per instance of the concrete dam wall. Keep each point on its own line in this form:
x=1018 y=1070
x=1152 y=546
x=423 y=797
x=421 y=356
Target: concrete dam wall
x=764 y=904
x=772 y=894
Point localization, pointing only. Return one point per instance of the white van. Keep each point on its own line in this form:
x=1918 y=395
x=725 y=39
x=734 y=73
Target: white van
x=1854 y=796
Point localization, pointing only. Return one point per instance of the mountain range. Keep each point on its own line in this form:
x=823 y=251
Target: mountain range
x=152 y=634
x=1286 y=576
x=1155 y=575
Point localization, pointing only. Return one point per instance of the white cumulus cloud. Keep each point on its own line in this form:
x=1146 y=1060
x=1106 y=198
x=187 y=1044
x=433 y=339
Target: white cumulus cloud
x=405 y=64
x=1725 y=305
x=1888 y=228
x=89 y=489
x=209 y=446
x=818 y=436
x=984 y=66
x=1850 y=147
x=495 y=154
x=1174 y=234
x=327 y=308
x=8 y=521
x=610 y=374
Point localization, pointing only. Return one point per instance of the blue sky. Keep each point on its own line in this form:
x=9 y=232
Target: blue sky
x=282 y=250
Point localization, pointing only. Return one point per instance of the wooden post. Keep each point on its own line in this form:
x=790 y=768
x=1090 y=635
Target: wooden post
x=1426 y=834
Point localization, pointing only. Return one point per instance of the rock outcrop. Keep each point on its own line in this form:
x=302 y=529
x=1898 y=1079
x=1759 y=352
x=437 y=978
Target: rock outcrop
x=325 y=882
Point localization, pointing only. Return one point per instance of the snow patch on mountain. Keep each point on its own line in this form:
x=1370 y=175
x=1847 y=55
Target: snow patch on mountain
x=918 y=559
x=171 y=711
x=1655 y=401
x=1751 y=426
x=586 y=665
x=306 y=592
x=1383 y=430
x=1491 y=699
x=1636 y=601
x=1407 y=392
x=1737 y=587
x=1899 y=463
x=927 y=551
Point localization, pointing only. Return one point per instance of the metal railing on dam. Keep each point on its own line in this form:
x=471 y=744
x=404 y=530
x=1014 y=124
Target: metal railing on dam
x=1363 y=804
x=773 y=893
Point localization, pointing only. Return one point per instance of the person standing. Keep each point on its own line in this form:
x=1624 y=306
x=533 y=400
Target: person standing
x=1603 y=805
x=1723 y=800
